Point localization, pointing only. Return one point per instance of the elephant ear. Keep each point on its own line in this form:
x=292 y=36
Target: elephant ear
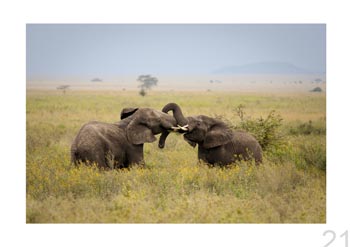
x=139 y=133
x=216 y=136
x=126 y=112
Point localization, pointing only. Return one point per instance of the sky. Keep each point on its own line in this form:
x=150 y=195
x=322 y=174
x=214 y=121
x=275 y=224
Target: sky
x=98 y=50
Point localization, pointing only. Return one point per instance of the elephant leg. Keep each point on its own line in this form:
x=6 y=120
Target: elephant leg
x=203 y=154
x=135 y=155
x=136 y=159
x=252 y=153
x=101 y=161
x=221 y=155
x=94 y=155
x=97 y=157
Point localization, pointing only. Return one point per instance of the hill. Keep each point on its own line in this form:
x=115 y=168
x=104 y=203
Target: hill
x=263 y=68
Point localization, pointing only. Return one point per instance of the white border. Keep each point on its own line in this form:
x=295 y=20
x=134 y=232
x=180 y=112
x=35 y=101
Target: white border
x=15 y=14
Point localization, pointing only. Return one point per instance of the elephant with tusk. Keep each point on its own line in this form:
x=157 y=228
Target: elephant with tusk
x=118 y=145
x=217 y=143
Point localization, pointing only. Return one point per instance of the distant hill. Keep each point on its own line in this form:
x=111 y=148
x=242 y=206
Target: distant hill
x=263 y=68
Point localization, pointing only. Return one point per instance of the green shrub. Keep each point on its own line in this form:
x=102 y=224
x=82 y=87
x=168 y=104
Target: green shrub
x=312 y=154
x=266 y=130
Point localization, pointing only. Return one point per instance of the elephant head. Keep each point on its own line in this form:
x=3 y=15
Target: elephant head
x=206 y=131
x=144 y=123
x=201 y=129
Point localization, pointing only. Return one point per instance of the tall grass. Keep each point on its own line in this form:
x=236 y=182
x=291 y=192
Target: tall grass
x=290 y=185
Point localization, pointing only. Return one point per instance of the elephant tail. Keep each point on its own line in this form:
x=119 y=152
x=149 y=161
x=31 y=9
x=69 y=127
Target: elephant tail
x=74 y=154
x=258 y=154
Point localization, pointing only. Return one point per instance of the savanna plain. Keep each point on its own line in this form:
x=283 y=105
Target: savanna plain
x=174 y=187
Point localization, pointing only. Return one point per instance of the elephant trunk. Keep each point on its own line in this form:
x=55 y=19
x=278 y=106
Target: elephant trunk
x=180 y=119
x=162 y=139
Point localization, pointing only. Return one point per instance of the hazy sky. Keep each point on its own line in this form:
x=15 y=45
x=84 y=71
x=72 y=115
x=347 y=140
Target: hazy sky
x=55 y=50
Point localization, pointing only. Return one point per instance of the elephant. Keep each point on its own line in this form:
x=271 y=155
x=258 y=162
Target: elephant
x=217 y=143
x=119 y=145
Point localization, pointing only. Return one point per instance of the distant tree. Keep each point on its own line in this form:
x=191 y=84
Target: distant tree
x=63 y=88
x=96 y=80
x=146 y=83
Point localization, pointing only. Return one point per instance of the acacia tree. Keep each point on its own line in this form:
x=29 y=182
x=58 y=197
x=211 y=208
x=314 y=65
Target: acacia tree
x=63 y=88
x=146 y=83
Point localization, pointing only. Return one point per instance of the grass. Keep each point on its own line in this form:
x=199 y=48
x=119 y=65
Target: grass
x=290 y=186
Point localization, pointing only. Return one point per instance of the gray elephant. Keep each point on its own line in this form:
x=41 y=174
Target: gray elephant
x=217 y=143
x=118 y=145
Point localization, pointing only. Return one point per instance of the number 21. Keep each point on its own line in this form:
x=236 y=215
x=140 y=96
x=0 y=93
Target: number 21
x=345 y=235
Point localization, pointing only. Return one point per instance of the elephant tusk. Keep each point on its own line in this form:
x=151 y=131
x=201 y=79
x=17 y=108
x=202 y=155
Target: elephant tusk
x=178 y=127
x=184 y=128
